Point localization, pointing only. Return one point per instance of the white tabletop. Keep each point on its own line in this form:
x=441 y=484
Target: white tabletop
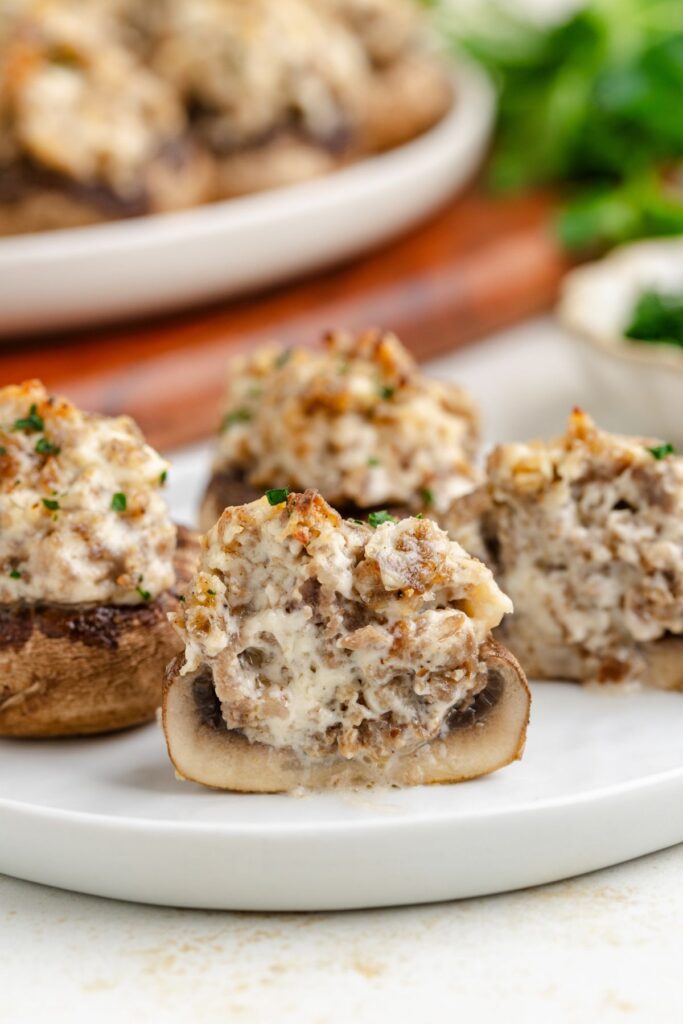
x=603 y=947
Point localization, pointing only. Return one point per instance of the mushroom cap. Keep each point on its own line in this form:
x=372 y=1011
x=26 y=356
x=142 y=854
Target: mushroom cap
x=78 y=669
x=488 y=736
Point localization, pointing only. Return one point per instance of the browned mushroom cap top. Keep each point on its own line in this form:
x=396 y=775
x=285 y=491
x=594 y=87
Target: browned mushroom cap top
x=327 y=636
x=82 y=519
x=356 y=420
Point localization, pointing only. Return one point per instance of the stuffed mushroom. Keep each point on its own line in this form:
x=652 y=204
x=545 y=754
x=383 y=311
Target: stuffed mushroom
x=281 y=92
x=356 y=420
x=326 y=652
x=585 y=533
x=87 y=133
x=89 y=565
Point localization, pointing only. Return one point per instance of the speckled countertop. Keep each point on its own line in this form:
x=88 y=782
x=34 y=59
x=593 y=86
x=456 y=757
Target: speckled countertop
x=604 y=947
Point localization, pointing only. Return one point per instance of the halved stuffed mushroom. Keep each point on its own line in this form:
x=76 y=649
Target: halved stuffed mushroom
x=585 y=533
x=89 y=566
x=356 y=420
x=326 y=652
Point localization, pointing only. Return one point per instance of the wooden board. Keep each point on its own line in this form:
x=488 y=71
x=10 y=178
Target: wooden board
x=478 y=265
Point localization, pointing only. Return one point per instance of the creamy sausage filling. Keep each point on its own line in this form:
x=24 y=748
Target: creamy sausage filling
x=309 y=632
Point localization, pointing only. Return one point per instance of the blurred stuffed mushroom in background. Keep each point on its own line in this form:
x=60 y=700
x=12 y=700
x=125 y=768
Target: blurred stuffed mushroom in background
x=356 y=420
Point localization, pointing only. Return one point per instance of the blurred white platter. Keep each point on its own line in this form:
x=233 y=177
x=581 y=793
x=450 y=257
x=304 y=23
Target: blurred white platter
x=95 y=274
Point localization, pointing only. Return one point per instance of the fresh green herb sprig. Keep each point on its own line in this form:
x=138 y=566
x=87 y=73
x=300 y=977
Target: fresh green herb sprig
x=51 y=503
x=377 y=518
x=119 y=502
x=590 y=104
x=45 y=447
x=276 y=495
x=661 y=451
x=31 y=424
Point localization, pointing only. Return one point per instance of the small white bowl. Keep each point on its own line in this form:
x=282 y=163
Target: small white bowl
x=636 y=387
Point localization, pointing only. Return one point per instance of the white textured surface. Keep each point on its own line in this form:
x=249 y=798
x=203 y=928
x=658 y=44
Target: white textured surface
x=603 y=947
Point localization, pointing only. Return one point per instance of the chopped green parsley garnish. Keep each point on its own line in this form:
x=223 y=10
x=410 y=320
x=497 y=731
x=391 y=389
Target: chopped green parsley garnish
x=32 y=424
x=212 y=592
x=373 y=461
x=358 y=522
x=144 y=594
x=427 y=496
x=386 y=391
x=661 y=451
x=15 y=574
x=277 y=495
x=45 y=447
x=283 y=358
x=418 y=516
x=163 y=477
x=119 y=502
x=377 y=518
x=3 y=450
x=236 y=416
x=51 y=503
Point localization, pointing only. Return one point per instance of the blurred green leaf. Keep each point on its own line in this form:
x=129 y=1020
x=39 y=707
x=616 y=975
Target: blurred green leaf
x=593 y=104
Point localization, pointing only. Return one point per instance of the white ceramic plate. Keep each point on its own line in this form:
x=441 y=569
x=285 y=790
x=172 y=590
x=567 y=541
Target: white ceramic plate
x=601 y=780
x=100 y=273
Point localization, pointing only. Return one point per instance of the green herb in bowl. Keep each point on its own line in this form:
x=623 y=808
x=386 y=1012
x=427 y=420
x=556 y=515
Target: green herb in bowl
x=657 y=317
